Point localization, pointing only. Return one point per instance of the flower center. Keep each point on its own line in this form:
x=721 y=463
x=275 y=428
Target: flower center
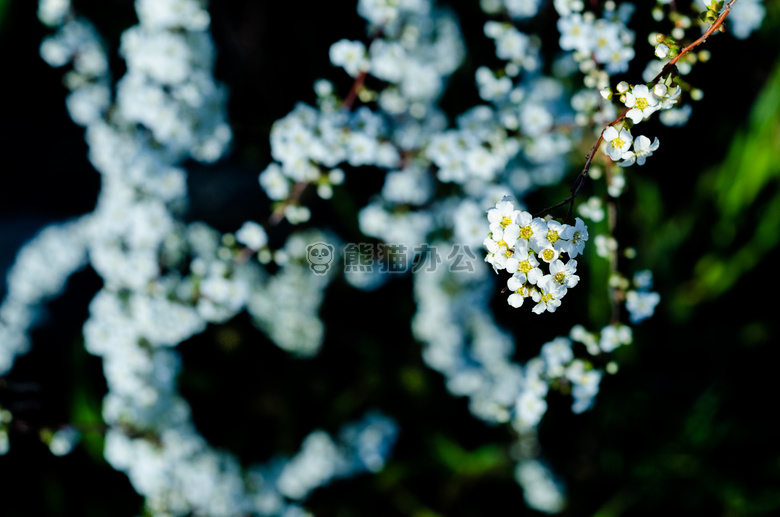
x=552 y=236
x=526 y=232
x=559 y=277
x=546 y=298
x=502 y=243
x=525 y=266
x=548 y=254
x=641 y=103
x=506 y=221
x=617 y=143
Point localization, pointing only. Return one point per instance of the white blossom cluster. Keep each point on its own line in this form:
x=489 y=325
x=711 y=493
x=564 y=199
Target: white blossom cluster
x=641 y=301
x=310 y=145
x=462 y=341
x=182 y=474
x=641 y=102
x=557 y=365
x=164 y=280
x=40 y=271
x=597 y=42
x=522 y=245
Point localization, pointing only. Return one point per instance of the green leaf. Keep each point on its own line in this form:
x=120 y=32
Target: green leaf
x=469 y=463
x=745 y=192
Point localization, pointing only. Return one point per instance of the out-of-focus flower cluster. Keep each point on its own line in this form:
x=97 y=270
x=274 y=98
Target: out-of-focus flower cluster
x=165 y=280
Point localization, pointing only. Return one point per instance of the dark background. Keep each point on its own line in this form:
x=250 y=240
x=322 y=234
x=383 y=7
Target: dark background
x=688 y=424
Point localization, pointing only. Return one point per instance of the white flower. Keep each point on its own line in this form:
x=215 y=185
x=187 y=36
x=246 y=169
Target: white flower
x=605 y=245
x=529 y=409
x=512 y=45
x=531 y=228
x=549 y=298
x=556 y=354
x=584 y=389
x=670 y=99
x=274 y=182
x=252 y=235
x=617 y=143
x=578 y=236
x=662 y=50
x=745 y=17
x=617 y=61
x=528 y=265
x=516 y=284
x=641 y=305
x=563 y=274
x=535 y=120
x=676 y=117
x=659 y=90
x=503 y=214
x=593 y=210
x=642 y=103
x=642 y=149
x=499 y=245
x=643 y=280
x=350 y=55
x=612 y=336
x=548 y=254
x=556 y=236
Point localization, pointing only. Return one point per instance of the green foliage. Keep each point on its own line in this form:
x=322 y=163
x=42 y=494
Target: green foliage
x=469 y=463
x=744 y=191
x=4 y=4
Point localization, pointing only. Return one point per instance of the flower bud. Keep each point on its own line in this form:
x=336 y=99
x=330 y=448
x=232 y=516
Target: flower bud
x=662 y=50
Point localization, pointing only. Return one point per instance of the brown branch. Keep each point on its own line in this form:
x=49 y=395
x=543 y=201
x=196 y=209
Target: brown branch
x=357 y=85
x=294 y=197
x=580 y=180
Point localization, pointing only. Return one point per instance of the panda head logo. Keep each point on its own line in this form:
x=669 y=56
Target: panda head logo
x=319 y=255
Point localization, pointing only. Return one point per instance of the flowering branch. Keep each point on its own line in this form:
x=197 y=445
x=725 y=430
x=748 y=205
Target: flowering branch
x=580 y=180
